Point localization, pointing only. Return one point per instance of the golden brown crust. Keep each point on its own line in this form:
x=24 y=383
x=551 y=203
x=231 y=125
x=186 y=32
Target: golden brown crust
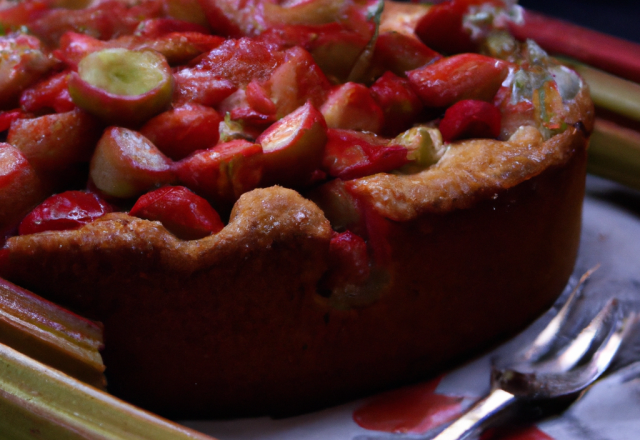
x=476 y=169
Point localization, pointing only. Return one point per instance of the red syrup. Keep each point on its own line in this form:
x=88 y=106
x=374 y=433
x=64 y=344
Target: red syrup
x=412 y=410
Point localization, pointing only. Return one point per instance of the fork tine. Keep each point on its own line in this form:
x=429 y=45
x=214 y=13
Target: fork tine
x=571 y=354
x=554 y=384
x=545 y=338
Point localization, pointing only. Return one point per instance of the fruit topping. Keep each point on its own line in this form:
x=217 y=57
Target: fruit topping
x=470 y=119
x=183 y=213
x=293 y=147
x=223 y=173
x=126 y=164
x=465 y=76
x=67 y=210
x=351 y=154
x=56 y=141
x=122 y=86
x=20 y=188
x=182 y=130
x=350 y=106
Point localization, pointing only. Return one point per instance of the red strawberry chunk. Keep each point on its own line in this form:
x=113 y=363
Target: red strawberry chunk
x=67 y=210
x=399 y=103
x=183 y=213
x=470 y=119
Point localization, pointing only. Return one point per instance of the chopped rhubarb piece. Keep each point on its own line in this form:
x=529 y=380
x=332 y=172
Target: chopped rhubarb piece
x=293 y=147
x=157 y=27
x=56 y=141
x=67 y=210
x=23 y=63
x=126 y=164
x=398 y=53
x=442 y=27
x=185 y=214
x=258 y=98
x=186 y=10
x=399 y=103
x=334 y=47
x=122 y=86
x=73 y=47
x=350 y=154
x=223 y=173
x=183 y=130
x=200 y=87
x=465 y=76
x=297 y=80
x=241 y=61
x=350 y=106
x=51 y=93
x=470 y=119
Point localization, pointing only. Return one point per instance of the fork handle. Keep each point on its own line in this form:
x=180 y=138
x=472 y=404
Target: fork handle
x=478 y=416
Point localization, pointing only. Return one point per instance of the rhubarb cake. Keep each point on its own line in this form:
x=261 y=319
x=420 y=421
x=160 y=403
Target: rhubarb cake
x=276 y=206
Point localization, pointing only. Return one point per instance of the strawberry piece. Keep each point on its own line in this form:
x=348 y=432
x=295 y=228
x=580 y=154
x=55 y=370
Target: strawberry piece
x=470 y=119
x=442 y=29
x=399 y=103
x=183 y=213
x=51 y=93
x=349 y=262
x=350 y=106
x=223 y=173
x=67 y=210
x=183 y=130
x=465 y=76
x=350 y=154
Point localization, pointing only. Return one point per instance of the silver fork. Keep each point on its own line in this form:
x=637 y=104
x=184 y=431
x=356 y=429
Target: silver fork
x=543 y=372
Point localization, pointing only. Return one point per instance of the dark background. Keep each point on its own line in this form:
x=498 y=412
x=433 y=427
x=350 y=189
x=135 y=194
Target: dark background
x=616 y=17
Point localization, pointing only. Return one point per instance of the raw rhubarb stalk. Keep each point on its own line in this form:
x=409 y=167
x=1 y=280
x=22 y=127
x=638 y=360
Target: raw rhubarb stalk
x=608 y=91
x=614 y=153
x=50 y=334
x=603 y=51
x=37 y=401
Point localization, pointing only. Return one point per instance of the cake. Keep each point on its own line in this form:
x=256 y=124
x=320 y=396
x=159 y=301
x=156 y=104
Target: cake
x=359 y=241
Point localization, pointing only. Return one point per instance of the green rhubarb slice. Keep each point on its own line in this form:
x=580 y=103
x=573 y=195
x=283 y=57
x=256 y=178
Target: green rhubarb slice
x=51 y=334
x=37 y=401
x=614 y=153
